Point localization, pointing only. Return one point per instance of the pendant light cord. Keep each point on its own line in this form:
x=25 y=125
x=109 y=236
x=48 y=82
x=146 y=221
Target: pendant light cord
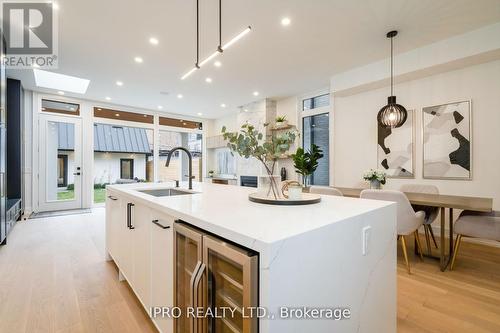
x=197 y=33
x=220 y=25
x=392 y=66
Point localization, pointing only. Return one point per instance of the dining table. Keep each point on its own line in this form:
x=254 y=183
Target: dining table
x=443 y=202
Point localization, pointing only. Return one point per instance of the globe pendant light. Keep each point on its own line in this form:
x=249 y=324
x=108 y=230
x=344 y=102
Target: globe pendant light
x=392 y=115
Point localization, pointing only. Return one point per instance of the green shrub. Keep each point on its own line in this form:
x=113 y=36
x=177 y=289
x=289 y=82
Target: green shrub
x=71 y=187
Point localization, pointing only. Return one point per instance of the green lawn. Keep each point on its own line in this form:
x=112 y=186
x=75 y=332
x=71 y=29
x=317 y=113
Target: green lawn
x=99 y=195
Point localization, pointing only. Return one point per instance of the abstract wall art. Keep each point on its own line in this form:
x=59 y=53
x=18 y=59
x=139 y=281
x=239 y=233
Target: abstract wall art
x=395 y=149
x=447 y=147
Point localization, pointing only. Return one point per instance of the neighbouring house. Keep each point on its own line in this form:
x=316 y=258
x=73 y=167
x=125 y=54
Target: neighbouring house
x=120 y=152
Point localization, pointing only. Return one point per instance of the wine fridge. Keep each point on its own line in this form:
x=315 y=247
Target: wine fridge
x=216 y=284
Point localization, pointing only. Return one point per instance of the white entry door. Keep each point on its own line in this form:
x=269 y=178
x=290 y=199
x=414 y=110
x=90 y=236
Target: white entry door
x=60 y=158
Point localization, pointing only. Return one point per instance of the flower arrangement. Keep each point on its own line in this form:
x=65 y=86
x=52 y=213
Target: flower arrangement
x=375 y=177
x=249 y=142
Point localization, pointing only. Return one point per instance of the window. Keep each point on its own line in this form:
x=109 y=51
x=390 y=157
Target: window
x=121 y=152
x=126 y=168
x=60 y=107
x=178 y=168
x=316 y=102
x=62 y=170
x=315 y=130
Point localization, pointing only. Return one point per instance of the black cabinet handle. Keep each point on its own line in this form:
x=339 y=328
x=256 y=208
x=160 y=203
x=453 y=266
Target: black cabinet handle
x=160 y=225
x=112 y=197
x=129 y=215
x=76 y=174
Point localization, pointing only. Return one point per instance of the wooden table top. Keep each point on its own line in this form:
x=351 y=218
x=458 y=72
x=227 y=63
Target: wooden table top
x=476 y=204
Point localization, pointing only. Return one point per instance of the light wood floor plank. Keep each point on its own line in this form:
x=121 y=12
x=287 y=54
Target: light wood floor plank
x=55 y=279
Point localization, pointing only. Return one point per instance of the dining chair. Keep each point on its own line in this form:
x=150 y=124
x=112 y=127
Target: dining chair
x=326 y=190
x=476 y=225
x=408 y=221
x=431 y=213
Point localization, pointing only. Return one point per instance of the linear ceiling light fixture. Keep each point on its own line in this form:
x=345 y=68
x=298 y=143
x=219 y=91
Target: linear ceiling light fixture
x=220 y=48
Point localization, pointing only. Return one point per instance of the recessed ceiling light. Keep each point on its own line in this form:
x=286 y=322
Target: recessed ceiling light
x=50 y=80
x=117 y=114
x=160 y=107
x=246 y=110
x=256 y=93
x=200 y=114
x=217 y=64
x=138 y=60
x=208 y=80
x=285 y=21
x=99 y=109
x=179 y=96
x=223 y=105
x=108 y=98
x=154 y=41
x=119 y=83
x=60 y=92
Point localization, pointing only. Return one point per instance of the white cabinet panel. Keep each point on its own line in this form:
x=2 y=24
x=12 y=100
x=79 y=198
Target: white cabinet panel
x=162 y=267
x=141 y=279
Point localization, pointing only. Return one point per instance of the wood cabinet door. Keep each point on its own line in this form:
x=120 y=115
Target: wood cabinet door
x=162 y=267
x=141 y=233
x=113 y=225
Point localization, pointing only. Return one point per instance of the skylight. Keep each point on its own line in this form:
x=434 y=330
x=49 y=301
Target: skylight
x=45 y=79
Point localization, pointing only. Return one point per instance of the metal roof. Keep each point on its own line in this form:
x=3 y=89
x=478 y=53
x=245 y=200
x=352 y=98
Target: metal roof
x=109 y=138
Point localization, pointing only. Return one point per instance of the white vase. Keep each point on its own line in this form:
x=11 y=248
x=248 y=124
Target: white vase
x=375 y=185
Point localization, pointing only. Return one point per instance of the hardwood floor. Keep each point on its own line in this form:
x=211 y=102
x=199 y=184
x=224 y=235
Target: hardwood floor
x=53 y=278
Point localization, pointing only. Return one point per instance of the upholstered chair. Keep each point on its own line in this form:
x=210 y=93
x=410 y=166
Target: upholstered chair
x=476 y=225
x=431 y=213
x=408 y=221
x=325 y=190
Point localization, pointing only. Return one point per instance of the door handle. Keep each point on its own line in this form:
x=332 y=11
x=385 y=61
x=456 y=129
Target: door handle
x=112 y=197
x=129 y=215
x=76 y=174
x=196 y=286
x=194 y=296
x=160 y=225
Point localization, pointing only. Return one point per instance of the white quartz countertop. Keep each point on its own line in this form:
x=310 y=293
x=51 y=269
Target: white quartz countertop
x=226 y=211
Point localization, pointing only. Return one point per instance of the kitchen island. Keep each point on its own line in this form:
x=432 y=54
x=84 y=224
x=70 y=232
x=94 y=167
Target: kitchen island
x=336 y=257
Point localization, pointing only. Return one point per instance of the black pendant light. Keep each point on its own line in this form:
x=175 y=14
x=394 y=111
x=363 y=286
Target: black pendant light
x=392 y=115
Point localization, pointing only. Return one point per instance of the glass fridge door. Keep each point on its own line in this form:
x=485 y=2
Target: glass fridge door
x=231 y=282
x=188 y=260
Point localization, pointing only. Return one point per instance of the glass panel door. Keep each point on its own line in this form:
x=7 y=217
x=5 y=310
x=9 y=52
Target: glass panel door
x=60 y=163
x=231 y=283
x=315 y=130
x=188 y=256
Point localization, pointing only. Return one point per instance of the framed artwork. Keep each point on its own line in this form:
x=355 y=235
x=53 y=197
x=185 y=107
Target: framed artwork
x=396 y=147
x=446 y=137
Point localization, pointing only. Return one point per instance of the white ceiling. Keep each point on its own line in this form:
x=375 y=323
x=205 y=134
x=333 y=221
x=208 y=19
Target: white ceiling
x=98 y=40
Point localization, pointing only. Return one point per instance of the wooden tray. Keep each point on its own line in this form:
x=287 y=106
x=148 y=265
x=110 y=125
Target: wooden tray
x=307 y=199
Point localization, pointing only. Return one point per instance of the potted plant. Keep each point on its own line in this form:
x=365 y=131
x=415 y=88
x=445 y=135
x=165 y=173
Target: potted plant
x=249 y=142
x=211 y=173
x=306 y=162
x=376 y=178
x=281 y=122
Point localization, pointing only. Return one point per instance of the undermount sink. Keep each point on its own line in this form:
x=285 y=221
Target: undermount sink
x=164 y=192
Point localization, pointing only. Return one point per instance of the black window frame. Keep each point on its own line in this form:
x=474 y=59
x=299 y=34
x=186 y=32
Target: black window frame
x=131 y=160
x=312 y=99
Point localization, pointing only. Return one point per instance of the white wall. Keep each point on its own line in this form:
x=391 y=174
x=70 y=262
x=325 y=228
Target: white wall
x=355 y=137
x=107 y=166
